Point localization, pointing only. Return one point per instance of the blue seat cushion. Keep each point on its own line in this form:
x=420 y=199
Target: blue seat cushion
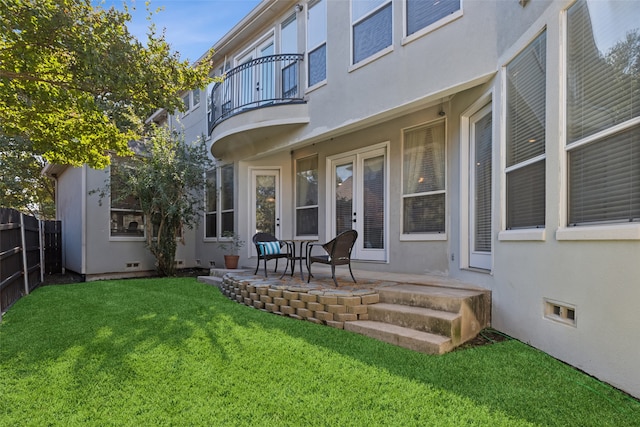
x=269 y=248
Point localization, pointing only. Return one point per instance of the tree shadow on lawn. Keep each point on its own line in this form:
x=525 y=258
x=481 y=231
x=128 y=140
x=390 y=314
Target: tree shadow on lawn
x=495 y=371
x=113 y=337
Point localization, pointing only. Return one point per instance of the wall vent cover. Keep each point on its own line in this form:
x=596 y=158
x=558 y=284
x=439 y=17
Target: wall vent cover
x=560 y=312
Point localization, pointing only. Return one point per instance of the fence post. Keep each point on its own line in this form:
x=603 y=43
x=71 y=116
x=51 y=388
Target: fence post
x=41 y=235
x=25 y=267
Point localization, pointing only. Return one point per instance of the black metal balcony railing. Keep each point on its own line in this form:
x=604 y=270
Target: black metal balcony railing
x=262 y=82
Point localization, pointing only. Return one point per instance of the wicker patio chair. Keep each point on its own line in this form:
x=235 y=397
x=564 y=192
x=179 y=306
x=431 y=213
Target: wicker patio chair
x=338 y=252
x=269 y=247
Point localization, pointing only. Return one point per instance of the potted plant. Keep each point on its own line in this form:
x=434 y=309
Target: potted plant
x=231 y=245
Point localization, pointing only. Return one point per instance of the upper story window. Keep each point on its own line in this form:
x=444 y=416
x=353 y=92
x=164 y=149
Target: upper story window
x=421 y=15
x=525 y=138
x=186 y=100
x=127 y=219
x=195 y=98
x=317 y=42
x=603 y=112
x=219 y=206
x=191 y=100
x=372 y=27
x=307 y=196
x=289 y=35
x=424 y=179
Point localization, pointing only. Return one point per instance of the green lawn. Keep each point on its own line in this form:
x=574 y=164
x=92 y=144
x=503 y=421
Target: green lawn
x=176 y=352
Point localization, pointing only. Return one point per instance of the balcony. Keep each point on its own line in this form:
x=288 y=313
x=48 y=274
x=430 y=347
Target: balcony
x=264 y=82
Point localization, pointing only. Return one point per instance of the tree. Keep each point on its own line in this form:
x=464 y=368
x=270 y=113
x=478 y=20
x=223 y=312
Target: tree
x=78 y=85
x=168 y=180
x=22 y=185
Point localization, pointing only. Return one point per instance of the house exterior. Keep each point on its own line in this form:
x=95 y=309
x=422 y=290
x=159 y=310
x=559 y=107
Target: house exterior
x=494 y=142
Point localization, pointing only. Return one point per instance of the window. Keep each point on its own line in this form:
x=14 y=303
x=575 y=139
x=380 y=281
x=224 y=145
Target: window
x=603 y=112
x=289 y=69
x=525 y=137
x=195 y=98
x=371 y=27
x=191 y=100
x=289 y=35
x=317 y=42
x=186 y=100
x=421 y=14
x=307 y=196
x=423 y=183
x=219 y=201
x=126 y=217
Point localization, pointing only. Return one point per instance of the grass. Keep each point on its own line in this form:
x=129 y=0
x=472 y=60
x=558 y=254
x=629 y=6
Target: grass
x=176 y=352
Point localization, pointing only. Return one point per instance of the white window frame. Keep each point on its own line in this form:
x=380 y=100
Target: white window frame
x=295 y=203
x=355 y=21
x=429 y=28
x=528 y=233
x=219 y=211
x=124 y=211
x=596 y=231
x=312 y=48
x=425 y=236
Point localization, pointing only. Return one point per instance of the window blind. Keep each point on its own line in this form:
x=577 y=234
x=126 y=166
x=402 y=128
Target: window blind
x=482 y=179
x=525 y=131
x=373 y=184
x=603 y=91
x=604 y=180
x=372 y=34
x=603 y=76
x=421 y=13
x=526 y=196
x=526 y=96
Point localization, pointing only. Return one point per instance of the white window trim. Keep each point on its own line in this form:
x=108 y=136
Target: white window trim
x=370 y=59
x=219 y=211
x=310 y=49
x=426 y=236
x=524 y=235
x=193 y=104
x=520 y=234
x=465 y=142
x=122 y=238
x=429 y=28
x=380 y=53
x=295 y=193
x=616 y=231
x=587 y=232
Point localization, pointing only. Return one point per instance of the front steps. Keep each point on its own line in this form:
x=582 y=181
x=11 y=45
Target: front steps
x=429 y=319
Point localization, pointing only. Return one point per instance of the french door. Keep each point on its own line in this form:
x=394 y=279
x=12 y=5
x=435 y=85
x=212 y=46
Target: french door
x=359 y=200
x=265 y=202
x=480 y=189
x=257 y=82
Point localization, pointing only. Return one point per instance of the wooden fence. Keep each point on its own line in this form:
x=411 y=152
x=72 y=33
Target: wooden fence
x=29 y=248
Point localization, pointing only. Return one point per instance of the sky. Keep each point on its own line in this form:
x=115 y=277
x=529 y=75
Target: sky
x=192 y=26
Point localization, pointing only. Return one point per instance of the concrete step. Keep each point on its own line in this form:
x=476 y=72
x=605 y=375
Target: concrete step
x=419 y=318
x=423 y=342
x=435 y=297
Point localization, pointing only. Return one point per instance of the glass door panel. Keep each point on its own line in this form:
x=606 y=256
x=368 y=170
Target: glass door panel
x=359 y=201
x=373 y=204
x=267 y=75
x=343 y=197
x=265 y=202
x=480 y=244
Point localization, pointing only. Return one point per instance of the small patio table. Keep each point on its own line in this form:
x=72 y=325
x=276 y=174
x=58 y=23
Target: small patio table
x=299 y=256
